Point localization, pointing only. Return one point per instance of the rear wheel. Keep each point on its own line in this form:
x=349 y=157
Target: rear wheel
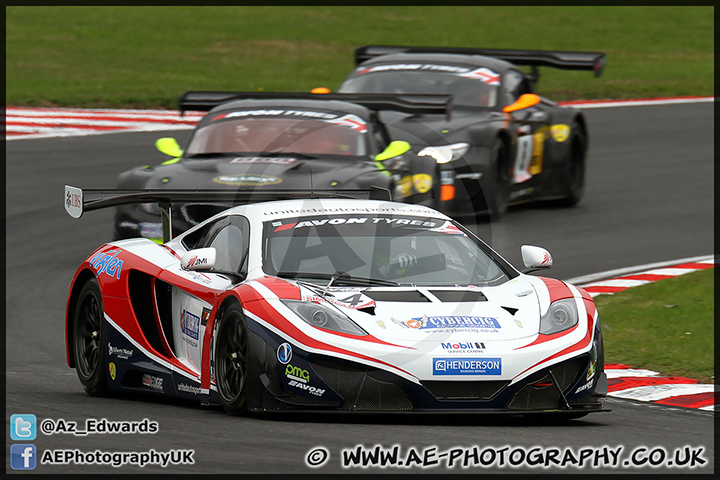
x=231 y=361
x=574 y=181
x=88 y=339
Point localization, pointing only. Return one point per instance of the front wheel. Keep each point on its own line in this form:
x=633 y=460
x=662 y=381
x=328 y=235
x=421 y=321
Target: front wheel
x=231 y=361
x=88 y=339
x=497 y=183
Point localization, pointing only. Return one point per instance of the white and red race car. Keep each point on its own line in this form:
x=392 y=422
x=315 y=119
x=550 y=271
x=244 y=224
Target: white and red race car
x=332 y=304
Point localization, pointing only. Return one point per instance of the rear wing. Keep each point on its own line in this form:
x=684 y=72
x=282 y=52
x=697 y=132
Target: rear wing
x=78 y=201
x=594 y=61
x=420 y=104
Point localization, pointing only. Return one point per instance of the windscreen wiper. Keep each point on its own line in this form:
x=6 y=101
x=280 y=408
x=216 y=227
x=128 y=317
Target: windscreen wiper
x=343 y=277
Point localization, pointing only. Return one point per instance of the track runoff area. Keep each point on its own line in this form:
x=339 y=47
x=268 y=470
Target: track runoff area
x=624 y=381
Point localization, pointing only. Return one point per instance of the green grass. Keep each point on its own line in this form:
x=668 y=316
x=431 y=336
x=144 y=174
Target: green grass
x=147 y=56
x=665 y=326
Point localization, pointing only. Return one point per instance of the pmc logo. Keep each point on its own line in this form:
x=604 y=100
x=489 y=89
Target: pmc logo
x=284 y=353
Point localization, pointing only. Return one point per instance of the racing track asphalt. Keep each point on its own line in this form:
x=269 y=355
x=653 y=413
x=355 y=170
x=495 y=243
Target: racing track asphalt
x=649 y=199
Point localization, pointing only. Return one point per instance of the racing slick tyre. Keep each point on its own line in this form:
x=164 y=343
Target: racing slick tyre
x=497 y=185
x=231 y=360
x=574 y=178
x=89 y=337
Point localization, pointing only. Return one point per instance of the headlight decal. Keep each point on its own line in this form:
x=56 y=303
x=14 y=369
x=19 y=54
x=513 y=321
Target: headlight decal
x=325 y=317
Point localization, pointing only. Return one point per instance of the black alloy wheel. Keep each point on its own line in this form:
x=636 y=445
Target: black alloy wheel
x=89 y=338
x=231 y=361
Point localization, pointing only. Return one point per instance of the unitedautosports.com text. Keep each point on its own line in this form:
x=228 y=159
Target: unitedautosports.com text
x=360 y=456
x=117 y=459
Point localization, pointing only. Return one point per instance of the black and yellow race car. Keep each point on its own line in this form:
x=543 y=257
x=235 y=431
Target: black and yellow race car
x=502 y=143
x=274 y=144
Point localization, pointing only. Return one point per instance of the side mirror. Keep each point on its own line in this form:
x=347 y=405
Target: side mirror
x=525 y=101
x=169 y=146
x=535 y=258
x=395 y=149
x=199 y=259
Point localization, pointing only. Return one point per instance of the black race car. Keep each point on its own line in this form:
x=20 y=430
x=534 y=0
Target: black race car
x=275 y=144
x=502 y=144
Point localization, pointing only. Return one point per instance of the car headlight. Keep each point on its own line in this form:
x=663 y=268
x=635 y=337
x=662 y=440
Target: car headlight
x=324 y=317
x=561 y=316
x=445 y=153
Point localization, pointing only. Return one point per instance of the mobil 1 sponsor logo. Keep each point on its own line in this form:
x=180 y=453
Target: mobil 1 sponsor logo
x=462 y=347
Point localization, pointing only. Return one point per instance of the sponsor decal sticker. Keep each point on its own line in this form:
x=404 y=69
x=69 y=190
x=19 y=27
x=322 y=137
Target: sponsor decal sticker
x=308 y=388
x=485 y=75
x=452 y=324
x=284 y=353
x=189 y=389
x=107 y=263
x=119 y=352
x=352 y=121
x=269 y=160
x=156 y=383
x=190 y=327
x=297 y=374
x=463 y=347
x=560 y=132
x=584 y=387
x=356 y=301
x=113 y=370
x=413 y=66
x=247 y=180
x=467 y=366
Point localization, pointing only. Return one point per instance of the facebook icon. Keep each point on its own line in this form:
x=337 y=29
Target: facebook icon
x=22 y=457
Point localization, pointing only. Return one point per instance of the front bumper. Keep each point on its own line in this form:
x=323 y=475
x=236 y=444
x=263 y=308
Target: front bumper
x=313 y=382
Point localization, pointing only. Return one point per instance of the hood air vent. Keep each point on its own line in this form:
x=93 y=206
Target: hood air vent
x=396 y=296
x=459 y=295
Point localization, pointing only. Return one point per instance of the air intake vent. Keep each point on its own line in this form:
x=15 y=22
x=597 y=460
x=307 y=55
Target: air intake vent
x=482 y=390
x=396 y=296
x=360 y=390
x=459 y=296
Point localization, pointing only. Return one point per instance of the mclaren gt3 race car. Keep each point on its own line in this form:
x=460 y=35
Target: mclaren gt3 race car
x=516 y=145
x=330 y=304
x=258 y=141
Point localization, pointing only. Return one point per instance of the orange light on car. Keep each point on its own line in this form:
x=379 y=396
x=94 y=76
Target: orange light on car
x=320 y=90
x=447 y=192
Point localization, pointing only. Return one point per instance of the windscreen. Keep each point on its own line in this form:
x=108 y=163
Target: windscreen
x=469 y=87
x=253 y=131
x=380 y=249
